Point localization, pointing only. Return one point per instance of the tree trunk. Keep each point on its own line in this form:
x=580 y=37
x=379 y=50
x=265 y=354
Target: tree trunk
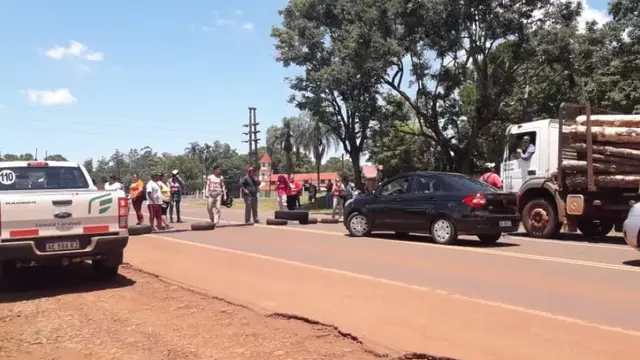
x=630 y=121
x=581 y=166
x=605 y=159
x=608 y=134
x=579 y=181
x=608 y=150
x=357 y=172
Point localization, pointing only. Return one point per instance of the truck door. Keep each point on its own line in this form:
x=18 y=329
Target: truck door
x=515 y=170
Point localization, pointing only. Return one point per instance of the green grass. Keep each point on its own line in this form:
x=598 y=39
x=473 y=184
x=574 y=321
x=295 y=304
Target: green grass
x=268 y=205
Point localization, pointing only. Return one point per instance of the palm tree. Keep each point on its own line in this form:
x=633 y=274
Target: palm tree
x=287 y=143
x=318 y=140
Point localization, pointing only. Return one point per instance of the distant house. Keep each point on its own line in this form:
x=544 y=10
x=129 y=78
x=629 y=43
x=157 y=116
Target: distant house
x=370 y=175
x=268 y=179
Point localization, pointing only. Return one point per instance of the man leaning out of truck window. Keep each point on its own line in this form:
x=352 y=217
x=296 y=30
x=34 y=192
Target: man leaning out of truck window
x=527 y=149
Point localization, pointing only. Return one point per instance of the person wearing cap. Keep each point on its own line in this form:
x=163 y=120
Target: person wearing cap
x=526 y=150
x=177 y=187
x=154 y=201
x=249 y=186
x=216 y=190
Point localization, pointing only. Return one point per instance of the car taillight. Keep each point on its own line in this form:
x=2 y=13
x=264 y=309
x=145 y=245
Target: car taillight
x=475 y=201
x=123 y=213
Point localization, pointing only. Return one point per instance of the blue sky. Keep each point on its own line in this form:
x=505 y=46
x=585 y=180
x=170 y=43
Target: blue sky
x=140 y=73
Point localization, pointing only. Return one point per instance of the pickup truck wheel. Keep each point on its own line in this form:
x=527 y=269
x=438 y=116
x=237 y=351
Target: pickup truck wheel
x=140 y=229
x=489 y=239
x=594 y=228
x=108 y=266
x=540 y=219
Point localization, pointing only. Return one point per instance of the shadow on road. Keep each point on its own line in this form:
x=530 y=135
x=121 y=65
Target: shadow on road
x=427 y=238
x=49 y=281
x=613 y=239
x=634 y=263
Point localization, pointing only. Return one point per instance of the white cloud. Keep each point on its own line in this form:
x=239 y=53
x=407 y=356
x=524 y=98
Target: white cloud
x=226 y=22
x=60 y=96
x=247 y=26
x=74 y=50
x=590 y=14
x=238 y=12
x=2 y=106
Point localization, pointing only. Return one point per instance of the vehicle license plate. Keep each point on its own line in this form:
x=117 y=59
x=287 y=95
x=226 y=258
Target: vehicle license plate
x=63 y=245
x=505 y=223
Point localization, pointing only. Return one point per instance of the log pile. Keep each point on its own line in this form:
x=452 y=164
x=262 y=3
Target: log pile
x=616 y=152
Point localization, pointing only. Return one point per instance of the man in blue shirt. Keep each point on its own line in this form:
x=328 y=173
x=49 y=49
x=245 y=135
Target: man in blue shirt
x=527 y=149
x=177 y=187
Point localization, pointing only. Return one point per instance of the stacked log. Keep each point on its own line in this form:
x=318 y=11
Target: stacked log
x=615 y=152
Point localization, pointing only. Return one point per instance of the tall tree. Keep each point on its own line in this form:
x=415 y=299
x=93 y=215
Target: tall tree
x=329 y=40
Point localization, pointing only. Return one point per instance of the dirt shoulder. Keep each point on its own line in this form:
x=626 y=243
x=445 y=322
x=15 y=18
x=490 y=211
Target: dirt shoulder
x=139 y=316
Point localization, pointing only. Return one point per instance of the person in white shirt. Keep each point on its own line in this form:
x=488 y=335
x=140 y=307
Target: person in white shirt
x=113 y=184
x=215 y=192
x=154 y=201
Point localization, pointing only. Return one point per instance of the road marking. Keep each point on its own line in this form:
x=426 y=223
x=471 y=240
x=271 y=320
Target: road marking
x=467 y=249
x=409 y=286
x=521 y=238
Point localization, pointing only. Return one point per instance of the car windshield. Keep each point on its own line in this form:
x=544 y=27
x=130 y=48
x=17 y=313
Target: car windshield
x=467 y=184
x=42 y=178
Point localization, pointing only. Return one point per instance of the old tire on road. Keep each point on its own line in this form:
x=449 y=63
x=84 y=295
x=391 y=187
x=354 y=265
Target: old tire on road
x=311 y=220
x=142 y=229
x=358 y=225
x=443 y=231
x=329 y=221
x=277 y=222
x=540 y=219
x=203 y=226
x=592 y=228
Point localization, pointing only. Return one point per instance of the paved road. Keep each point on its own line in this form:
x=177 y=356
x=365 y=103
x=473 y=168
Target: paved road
x=523 y=298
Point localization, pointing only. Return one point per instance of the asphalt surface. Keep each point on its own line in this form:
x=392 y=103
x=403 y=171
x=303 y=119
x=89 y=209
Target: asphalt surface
x=568 y=286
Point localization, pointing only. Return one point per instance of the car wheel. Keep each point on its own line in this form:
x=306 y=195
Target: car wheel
x=595 y=228
x=540 y=219
x=358 y=225
x=489 y=239
x=444 y=232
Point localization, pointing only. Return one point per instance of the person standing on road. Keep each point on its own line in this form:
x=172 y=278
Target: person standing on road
x=313 y=191
x=338 y=199
x=112 y=184
x=491 y=178
x=154 y=201
x=165 y=192
x=282 y=189
x=177 y=187
x=137 y=197
x=292 y=195
x=329 y=195
x=249 y=186
x=216 y=190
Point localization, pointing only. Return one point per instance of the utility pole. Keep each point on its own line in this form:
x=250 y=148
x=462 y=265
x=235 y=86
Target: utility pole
x=252 y=132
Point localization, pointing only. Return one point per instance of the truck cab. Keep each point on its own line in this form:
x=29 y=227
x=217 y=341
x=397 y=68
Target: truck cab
x=544 y=136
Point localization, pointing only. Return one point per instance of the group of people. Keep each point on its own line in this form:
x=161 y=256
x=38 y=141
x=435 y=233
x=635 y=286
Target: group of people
x=163 y=195
x=216 y=193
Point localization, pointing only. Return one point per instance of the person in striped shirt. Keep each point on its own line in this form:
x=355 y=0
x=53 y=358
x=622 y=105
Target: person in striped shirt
x=215 y=192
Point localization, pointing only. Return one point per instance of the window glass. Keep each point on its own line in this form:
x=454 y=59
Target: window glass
x=396 y=187
x=469 y=185
x=430 y=184
x=39 y=178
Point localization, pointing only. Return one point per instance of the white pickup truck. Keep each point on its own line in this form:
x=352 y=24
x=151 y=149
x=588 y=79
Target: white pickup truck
x=52 y=214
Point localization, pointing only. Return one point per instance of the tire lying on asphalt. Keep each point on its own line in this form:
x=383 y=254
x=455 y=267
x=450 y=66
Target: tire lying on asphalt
x=277 y=222
x=203 y=226
x=329 y=221
x=293 y=215
x=140 y=229
x=311 y=220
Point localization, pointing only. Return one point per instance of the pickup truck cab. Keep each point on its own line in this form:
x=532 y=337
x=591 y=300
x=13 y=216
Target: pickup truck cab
x=52 y=214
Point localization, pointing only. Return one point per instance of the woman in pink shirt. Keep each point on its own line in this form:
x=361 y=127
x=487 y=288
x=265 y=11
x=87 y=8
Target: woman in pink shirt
x=282 y=189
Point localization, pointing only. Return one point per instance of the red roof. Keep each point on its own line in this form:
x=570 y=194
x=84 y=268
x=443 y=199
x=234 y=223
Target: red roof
x=265 y=158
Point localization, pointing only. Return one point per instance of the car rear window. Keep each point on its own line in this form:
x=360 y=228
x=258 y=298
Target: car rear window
x=467 y=184
x=42 y=178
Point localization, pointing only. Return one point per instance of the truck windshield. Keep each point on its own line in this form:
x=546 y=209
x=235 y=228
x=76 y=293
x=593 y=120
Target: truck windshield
x=42 y=178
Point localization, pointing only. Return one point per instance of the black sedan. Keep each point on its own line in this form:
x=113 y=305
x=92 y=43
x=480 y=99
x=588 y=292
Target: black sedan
x=444 y=205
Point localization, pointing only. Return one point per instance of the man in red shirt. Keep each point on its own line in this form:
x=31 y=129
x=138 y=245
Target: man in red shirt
x=491 y=178
x=292 y=194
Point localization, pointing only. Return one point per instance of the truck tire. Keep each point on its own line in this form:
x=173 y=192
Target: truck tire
x=107 y=267
x=592 y=228
x=142 y=229
x=540 y=219
x=489 y=239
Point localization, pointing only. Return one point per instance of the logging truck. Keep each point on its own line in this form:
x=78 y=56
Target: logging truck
x=584 y=173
